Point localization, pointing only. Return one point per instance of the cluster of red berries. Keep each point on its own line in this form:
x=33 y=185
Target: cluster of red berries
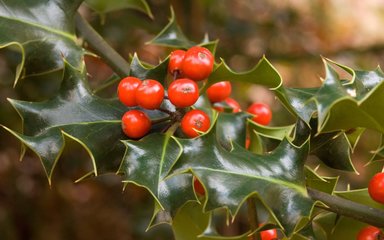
x=187 y=68
x=193 y=65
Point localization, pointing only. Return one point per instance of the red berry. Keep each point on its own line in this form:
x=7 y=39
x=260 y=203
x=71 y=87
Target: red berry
x=262 y=113
x=127 y=89
x=175 y=60
x=194 y=121
x=270 y=234
x=247 y=142
x=232 y=103
x=199 y=189
x=150 y=94
x=197 y=64
x=219 y=91
x=376 y=187
x=370 y=233
x=183 y=92
x=135 y=124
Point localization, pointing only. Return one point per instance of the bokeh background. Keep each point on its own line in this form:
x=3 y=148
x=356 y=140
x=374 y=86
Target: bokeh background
x=292 y=34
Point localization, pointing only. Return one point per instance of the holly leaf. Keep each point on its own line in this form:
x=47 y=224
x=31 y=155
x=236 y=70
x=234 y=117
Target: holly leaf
x=78 y=114
x=230 y=177
x=264 y=73
x=333 y=149
x=173 y=193
x=146 y=71
x=103 y=7
x=345 y=105
x=190 y=222
x=298 y=101
x=231 y=128
x=324 y=184
x=378 y=154
x=360 y=196
x=172 y=35
x=265 y=138
x=43 y=32
x=147 y=163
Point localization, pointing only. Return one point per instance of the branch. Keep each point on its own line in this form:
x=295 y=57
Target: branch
x=341 y=206
x=101 y=47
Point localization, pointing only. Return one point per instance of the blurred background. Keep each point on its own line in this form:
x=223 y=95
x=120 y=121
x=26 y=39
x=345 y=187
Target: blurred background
x=292 y=34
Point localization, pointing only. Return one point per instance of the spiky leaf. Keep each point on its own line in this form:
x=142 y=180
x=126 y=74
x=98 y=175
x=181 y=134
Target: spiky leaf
x=92 y=121
x=172 y=35
x=351 y=104
x=42 y=31
x=231 y=177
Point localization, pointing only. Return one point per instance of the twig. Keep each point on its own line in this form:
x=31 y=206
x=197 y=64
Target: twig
x=345 y=207
x=101 y=47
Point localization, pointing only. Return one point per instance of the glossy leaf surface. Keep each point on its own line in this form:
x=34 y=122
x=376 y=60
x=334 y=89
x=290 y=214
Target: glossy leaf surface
x=352 y=104
x=92 y=121
x=42 y=31
x=230 y=177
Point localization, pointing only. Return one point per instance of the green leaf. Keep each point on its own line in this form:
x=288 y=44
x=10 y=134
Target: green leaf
x=345 y=228
x=172 y=36
x=324 y=184
x=103 y=7
x=231 y=128
x=378 y=154
x=295 y=100
x=145 y=71
x=333 y=149
x=147 y=163
x=263 y=73
x=231 y=177
x=353 y=137
x=266 y=138
x=42 y=31
x=352 y=104
x=320 y=228
x=92 y=121
x=190 y=222
x=298 y=101
x=360 y=196
x=173 y=193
